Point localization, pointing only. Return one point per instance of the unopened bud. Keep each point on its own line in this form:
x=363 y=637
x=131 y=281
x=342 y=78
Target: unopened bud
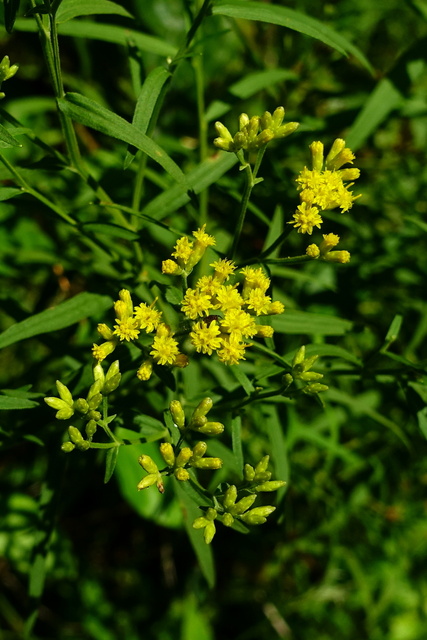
x=148 y=464
x=299 y=356
x=211 y=428
x=148 y=481
x=202 y=409
x=258 y=515
x=64 y=393
x=230 y=497
x=81 y=406
x=177 y=413
x=95 y=401
x=243 y=505
x=183 y=457
x=90 y=428
x=95 y=389
x=207 y=463
x=166 y=449
x=310 y=376
x=67 y=447
x=75 y=435
x=272 y=485
x=181 y=474
x=249 y=472
x=63 y=410
x=227 y=519
x=314 y=388
x=105 y=331
x=199 y=450
x=98 y=373
x=111 y=384
x=209 y=532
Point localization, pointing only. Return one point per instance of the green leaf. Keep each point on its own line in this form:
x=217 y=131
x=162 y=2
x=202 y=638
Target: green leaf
x=328 y=350
x=300 y=322
x=242 y=379
x=148 y=503
x=173 y=295
x=236 y=439
x=198 y=179
x=109 y=229
x=294 y=20
x=107 y=33
x=393 y=331
x=7 y=402
x=6 y=193
x=149 y=98
x=384 y=99
x=150 y=428
x=70 y=9
x=10 y=10
x=254 y=82
x=202 y=550
x=110 y=463
x=92 y=114
x=7 y=140
x=65 y=314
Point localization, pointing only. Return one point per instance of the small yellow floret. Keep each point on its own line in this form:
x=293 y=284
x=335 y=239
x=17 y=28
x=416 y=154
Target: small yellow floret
x=223 y=269
x=203 y=239
x=239 y=323
x=275 y=308
x=258 y=302
x=195 y=304
x=148 y=318
x=101 y=351
x=165 y=349
x=264 y=331
x=183 y=250
x=145 y=370
x=330 y=240
x=229 y=298
x=126 y=329
x=305 y=218
x=313 y=251
x=171 y=268
x=254 y=279
x=209 y=285
x=232 y=350
x=206 y=337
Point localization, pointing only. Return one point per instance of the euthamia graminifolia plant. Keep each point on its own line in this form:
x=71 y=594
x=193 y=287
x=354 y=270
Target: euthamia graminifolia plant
x=219 y=316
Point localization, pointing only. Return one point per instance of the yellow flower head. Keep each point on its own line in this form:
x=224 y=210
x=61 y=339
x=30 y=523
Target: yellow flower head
x=126 y=329
x=183 y=250
x=232 y=350
x=255 y=278
x=195 y=304
x=239 y=323
x=209 y=285
x=258 y=302
x=276 y=308
x=203 y=239
x=171 y=268
x=101 y=351
x=223 y=269
x=147 y=317
x=305 y=218
x=330 y=240
x=229 y=298
x=165 y=349
x=206 y=337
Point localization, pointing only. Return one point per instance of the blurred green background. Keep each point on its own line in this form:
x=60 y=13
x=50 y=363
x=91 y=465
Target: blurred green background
x=345 y=556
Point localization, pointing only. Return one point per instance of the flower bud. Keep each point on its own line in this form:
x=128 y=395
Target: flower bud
x=81 y=405
x=125 y=297
x=105 y=331
x=90 y=428
x=262 y=465
x=262 y=139
x=258 y=515
x=230 y=497
x=272 y=485
x=249 y=472
x=95 y=389
x=172 y=268
x=310 y=376
x=200 y=523
x=84 y=445
x=199 y=450
x=98 y=372
x=286 y=129
x=299 y=356
x=207 y=463
x=166 y=449
x=202 y=409
x=183 y=457
x=312 y=251
x=64 y=411
x=338 y=256
x=177 y=413
x=93 y=415
x=317 y=155
x=148 y=464
x=101 y=351
x=211 y=428
x=64 y=393
x=148 y=481
x=243 y=121
x=227 y=519
x=145 y=370
x=315 y=387
x=75 y=435
x=243 y=505
x=181 y=474
x=95 y=401
x=67 y=447
x=111 y=384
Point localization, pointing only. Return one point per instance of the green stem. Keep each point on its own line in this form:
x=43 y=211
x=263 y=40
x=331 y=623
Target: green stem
x=26 y=187
x=203 y=130
x=104 y=445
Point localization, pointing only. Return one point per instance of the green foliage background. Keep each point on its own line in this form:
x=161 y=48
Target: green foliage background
x=345 y=556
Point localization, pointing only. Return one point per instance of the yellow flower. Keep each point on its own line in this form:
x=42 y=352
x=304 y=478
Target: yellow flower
x=171 y=268
x=203 y=239
x=276 y=308
x=313 y=251
x=126 y=329
x=232 y=350
x=223 y=269
x=209 y=285
x=264 y=331
x=305 y=218
x=258 y=301
x=165 y=349
x=195 y=304
x=254 y=279
x=330 y=240
x=229 y=298
x=206 y=337
x=183 y=250
x=239 y=323
x=148 y=318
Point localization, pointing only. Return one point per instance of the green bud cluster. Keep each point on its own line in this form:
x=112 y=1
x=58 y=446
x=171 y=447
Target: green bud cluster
x=198 y=421
x=254 y=132
x=6 y=72
x=66 y=406
x=238 y=503
x=301 y=371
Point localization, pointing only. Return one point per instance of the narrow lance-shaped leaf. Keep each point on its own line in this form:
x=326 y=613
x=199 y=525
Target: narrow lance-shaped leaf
x=92 y=114
x=65 y=314
x=70 y=9
x=292 y=20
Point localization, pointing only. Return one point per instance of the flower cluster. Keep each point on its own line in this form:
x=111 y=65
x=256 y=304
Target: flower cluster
x=223 y=316
x=254 y=132
x=188 y=253
x=229 y=508
x=323 y=187
x=66 y=406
